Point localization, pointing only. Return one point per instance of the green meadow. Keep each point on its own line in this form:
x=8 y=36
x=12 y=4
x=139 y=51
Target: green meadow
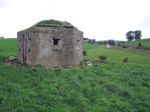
x=139 y=57
x=144 y=43
x=110 y=87
x=8 y=47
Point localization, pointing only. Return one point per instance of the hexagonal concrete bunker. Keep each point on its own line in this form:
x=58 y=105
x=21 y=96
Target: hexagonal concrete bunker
x=50 y=43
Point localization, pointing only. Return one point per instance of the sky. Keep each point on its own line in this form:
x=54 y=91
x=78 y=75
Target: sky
x=98 y=19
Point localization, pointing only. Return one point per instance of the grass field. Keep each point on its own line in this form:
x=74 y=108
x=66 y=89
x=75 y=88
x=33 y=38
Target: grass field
x=8 y=47
x=144 y=42
x=94 y=51
x=110 y=87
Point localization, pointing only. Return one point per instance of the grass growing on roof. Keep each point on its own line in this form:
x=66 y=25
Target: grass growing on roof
x=53 y=22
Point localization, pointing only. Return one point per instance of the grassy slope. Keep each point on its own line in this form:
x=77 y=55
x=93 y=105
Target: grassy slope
x=94 y=51
x=144 y=42
x=112 y=87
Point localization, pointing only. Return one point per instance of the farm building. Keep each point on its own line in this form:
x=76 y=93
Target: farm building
x=50 y=43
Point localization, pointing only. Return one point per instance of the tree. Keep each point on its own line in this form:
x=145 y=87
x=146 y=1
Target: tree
x=130 y=35
x=133 y=35
x=1 y=37
x=137 y=35
x=92 y=41
x=111 y=42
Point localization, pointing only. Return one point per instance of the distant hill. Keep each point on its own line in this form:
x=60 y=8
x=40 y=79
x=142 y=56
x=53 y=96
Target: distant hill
x=144 y=43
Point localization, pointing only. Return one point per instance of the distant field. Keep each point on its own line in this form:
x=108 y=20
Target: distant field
x=88 y=46
x=110 y=87
x=8 y=47
x=94 y=51
x=144 y=42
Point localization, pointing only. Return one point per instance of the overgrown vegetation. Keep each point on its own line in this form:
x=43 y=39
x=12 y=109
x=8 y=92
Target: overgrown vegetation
x=102 y=58
x=109 y=87
x=52 y=22
x=125 y=60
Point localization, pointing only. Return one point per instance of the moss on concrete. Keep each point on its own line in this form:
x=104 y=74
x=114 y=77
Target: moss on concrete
x=51 y=22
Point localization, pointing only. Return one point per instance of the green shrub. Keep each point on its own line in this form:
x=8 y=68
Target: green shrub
x=125 y=60
x=103 y=58
x=2 y=59
x=139 y=44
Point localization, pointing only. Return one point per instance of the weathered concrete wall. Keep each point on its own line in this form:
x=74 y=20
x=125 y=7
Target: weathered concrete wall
x=50 y=46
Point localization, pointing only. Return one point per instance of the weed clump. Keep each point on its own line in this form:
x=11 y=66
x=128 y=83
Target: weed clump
x=125 y=60
x=85 y=62
x=2 y=59
x=139 y=45
x=103 y=59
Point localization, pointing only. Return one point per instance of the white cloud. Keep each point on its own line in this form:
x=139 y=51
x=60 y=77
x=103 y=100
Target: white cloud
x=100 y=19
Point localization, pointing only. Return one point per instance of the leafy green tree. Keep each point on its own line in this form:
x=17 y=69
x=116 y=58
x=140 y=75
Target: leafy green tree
x=130 y=35
x=133 y=35
x=137 y=35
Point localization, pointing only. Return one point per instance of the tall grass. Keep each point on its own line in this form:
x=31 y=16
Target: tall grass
x=109 y=87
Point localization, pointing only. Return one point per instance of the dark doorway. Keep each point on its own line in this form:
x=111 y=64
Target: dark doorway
x=55 y=41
